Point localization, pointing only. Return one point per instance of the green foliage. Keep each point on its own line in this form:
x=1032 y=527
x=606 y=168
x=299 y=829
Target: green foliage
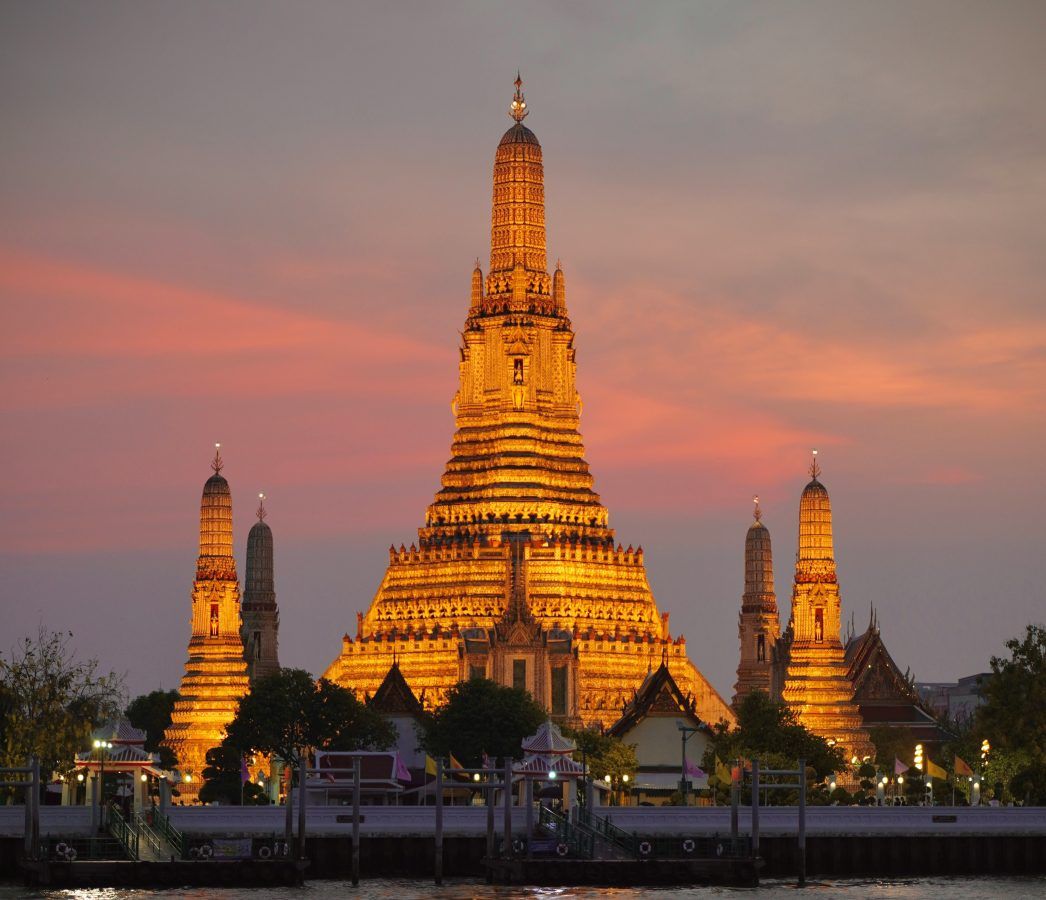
x=223 y=781
x=603 y=754
x=770 y=731
x=50 y=702
x=152 y=713
x=481 y=716
x=1013 y=716
x=288 y=712
x=891 y=744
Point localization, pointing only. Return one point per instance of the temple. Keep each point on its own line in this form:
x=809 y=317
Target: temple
x=261 y=617
x=216 y=673
x=758 y=624
x=810 y=670
x=516 y=575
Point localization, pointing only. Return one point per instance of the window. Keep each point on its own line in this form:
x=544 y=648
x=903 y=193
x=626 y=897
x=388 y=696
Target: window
x=519 y=674
x=214 y=620
x=257 y=645
x=760 y=648
x=818 y=624
x=559 y=691
x=477 y=672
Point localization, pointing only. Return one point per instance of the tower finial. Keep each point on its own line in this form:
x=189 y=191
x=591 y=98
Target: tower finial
x=757 y=512
x=815 y=469
x=261 y=507
x=217 y=462
x=518 y=110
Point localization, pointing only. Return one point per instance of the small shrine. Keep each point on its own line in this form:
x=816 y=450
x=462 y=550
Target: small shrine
x=117 y=754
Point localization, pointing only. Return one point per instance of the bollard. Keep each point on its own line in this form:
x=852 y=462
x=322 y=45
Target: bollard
x=755 y=808
x=439 y=821
x=356 y=822
x=507 y=836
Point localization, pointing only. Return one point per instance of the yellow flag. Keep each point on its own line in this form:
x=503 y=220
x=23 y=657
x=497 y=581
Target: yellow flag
x=961 y=768
x=454 y=764
x=934 y=770
x=722 y=772
x=430 y=765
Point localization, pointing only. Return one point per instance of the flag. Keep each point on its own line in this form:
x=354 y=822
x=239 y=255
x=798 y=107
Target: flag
x=245 y=776
x=934 y=770
x=402 y=772
x=693 y=770
x=899 y=768
x=735 y=774
x=722 y=773
x=961 y=768
x=454 y=764
x=430 y=765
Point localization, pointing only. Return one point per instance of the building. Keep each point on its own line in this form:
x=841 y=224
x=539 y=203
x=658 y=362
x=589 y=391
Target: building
x=758 y=625
x=216 y=673
x=516 y=574
x=396 y=701
x=955 y=701
x=261 y=617
x=651 y=721
x=839 y=689
x=810 y=672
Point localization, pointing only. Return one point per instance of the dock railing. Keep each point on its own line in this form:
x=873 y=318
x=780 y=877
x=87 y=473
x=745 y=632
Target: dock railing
x=578 y=841
x=123 y=831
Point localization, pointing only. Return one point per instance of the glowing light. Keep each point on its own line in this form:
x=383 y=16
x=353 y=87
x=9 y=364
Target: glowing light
x=551 y=776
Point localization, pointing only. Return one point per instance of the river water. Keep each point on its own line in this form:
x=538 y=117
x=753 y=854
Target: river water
x=390 y=889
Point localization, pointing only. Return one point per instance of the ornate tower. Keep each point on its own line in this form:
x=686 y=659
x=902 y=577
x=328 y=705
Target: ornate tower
x=758 y=626
x=516 y=575
x=261 y=617
x=816 y=681
x=216 y=674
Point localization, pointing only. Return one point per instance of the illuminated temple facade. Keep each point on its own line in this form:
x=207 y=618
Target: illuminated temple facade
x=216 y=673
x=516 y=575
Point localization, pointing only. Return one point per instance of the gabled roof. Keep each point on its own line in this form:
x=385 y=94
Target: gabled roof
x=394 y=695
x=658 y=695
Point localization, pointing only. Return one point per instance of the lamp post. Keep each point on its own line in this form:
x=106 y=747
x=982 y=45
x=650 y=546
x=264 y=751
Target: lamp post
x=626 y=790
x=685 y=733
x=101 y=747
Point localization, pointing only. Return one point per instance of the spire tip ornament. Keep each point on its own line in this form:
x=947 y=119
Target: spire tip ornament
x=518 y=109
x=217 y=462
x=261 y=507
x=815 y=469
x=757 y=512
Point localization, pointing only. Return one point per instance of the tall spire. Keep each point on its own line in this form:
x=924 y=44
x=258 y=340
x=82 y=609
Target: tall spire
x=758 y=625
x=815 y=559
x=261 y=621
x=517 y=230
x=216 y=557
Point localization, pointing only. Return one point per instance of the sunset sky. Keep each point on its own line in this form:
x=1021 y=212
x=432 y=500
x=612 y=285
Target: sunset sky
x=782 y=226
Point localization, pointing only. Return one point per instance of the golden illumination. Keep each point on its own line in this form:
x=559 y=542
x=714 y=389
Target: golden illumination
x=516 y=575
x=216 y=674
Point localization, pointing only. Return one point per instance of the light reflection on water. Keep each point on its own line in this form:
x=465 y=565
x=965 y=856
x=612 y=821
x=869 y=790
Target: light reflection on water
x=393 y=889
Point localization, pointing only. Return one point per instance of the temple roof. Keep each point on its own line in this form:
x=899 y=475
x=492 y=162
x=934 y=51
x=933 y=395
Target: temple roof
x=519 y=134
x=395 y=696
x=548 y=739
x=657 y=695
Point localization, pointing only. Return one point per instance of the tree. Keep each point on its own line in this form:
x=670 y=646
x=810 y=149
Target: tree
x=51 y=701
x=765 y=727
x=603 y=754
x=1013 y=716
x=482 y=716
x=288 y=712
x=223 y=779
x=152 y=713
x=891 y=743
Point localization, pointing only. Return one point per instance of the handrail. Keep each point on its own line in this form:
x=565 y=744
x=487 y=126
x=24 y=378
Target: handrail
x=581 y=842
x=169 y=833
x=609 y=831
x=121 y=829
x=151 y=837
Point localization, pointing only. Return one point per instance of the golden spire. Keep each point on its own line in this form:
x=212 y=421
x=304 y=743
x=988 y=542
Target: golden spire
x=518 y=110
x=757 y=512
x=261 y=507
x=815 y=469
x=217 y=462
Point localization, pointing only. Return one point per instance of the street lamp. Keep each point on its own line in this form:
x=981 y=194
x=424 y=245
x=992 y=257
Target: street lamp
x=101 y=747
x=624 y=780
